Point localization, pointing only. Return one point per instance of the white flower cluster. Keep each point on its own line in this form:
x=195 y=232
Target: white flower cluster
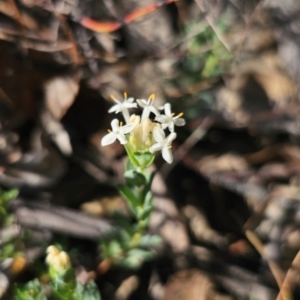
x=144 y=135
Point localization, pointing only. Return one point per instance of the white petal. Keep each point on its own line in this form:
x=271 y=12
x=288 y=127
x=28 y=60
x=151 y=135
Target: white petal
x=130 y=100
x=126 y=115
x=121 y=138
x=168 y=111
x=127 y=128
x=179 y=122
x=167 y=154
x=171 y=126
x=146 y=112
x=108 y=139
x=159 y=135
x=171 y=137
x=142 y=103
x=130 y=105
x=154 y=110
x=162 y=119
x=116 y=108
x=164 y=126
x=115 y=125
x=155 y=147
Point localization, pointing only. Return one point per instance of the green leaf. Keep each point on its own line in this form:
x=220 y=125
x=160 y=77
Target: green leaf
x=128 y=194
x=90 y=291
x=7 y=251
x=147 y=187
x=114 y=248
x=150 y=241
x=145 y=213
x=135 y=258
x=134 y=177
x=129 y=165
x=64 y=289
x=210 y=66
x=32 y=290
x=148 y=199
x=145 y=159
x=9 y=195
x=131 y=156
x=141 y=253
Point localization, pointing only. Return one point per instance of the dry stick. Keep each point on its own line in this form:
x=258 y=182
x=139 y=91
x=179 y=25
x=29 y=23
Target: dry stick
x=258 y=214
x=73 y=50
x=41 y=216
x=255 y=241
x=286 y=288
x=187 y=38
x=111 y=8
x=6 y=98
x=213 y=27
x=20 y=21
x=18 y=16
x=221 y=37
x=180 y=5
x=275 y=269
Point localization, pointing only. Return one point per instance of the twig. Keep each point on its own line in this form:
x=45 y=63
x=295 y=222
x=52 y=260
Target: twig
x=213 y=27
x=238 y=281
x=18 y=16
x=73 y=50
x=110 y=7
x=288 y=282
x=255 y=219
x=41 y=216
x=275 y=269
x=4 y=284
x=6 y=98
x=187 y=38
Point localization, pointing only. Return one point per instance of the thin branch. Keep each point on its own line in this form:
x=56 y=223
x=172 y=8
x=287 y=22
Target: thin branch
x=288 y=282
x=275 y=269
x=42 y=216
x=213 y=27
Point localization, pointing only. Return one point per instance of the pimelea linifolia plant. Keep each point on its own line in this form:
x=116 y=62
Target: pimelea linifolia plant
x=61 y=283
x=142 y=136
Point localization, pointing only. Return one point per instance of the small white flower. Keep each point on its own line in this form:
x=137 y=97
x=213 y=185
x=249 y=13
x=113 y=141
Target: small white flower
x=163 y=143
x=123 y=106
x=118 y=132
x=148 y=106
x=168 y=119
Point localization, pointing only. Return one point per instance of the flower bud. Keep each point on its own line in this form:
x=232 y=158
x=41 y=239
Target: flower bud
x=58 y=260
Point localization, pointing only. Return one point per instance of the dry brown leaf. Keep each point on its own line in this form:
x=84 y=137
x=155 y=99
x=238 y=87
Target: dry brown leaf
x=60 y=93
x=201 y=228
x=226 y=162
x=286 y=191
x=106 y=206
x=191 y=285
x=188 y=284
x=269 y=71
x=129 y=285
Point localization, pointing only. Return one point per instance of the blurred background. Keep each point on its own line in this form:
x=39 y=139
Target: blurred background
x=227 y=208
